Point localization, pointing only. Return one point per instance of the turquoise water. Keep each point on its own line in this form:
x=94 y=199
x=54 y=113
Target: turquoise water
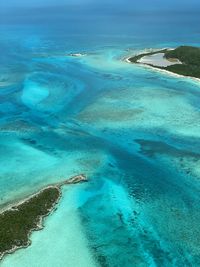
x=133 y=131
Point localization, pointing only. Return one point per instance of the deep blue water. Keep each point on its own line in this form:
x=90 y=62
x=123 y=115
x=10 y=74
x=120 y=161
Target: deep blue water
x=133 y=131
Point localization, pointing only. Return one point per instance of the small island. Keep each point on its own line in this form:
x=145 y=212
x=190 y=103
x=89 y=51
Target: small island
x=20 y=220
x=184 y=60
x=76 y=54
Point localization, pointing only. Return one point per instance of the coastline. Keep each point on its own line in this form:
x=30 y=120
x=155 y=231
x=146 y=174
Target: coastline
x=127 y=59
x=39 y=226
x=145 y=51
x=72 y=180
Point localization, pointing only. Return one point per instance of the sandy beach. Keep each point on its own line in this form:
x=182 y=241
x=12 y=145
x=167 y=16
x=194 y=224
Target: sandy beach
x=154 y=67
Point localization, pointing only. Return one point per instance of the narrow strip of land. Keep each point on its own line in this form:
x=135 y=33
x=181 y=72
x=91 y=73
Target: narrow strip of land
x=26 y=216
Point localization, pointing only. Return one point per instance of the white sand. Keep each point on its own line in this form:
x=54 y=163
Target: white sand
x=76 y=55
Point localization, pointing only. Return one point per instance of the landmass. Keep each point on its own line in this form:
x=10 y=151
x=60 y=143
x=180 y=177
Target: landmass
x=183 y=60
x=18 y=221
x=76 y=55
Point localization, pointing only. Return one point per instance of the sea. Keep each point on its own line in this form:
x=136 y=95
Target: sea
x=71 y=104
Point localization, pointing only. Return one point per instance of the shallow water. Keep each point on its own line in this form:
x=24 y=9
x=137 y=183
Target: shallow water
x=133 y=131
x=158 y=60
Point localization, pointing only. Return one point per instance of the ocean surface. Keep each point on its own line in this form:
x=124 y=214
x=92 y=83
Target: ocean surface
x=132 y=130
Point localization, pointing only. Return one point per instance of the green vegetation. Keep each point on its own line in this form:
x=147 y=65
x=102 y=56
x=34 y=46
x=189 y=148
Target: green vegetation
x=188 y=55
x=17 y=223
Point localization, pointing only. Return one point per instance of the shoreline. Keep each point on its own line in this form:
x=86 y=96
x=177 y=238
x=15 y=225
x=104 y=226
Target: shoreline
x=127 y=59
x=145 y=51
x=14 y=206
x=39 y=226
x=72 y=180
